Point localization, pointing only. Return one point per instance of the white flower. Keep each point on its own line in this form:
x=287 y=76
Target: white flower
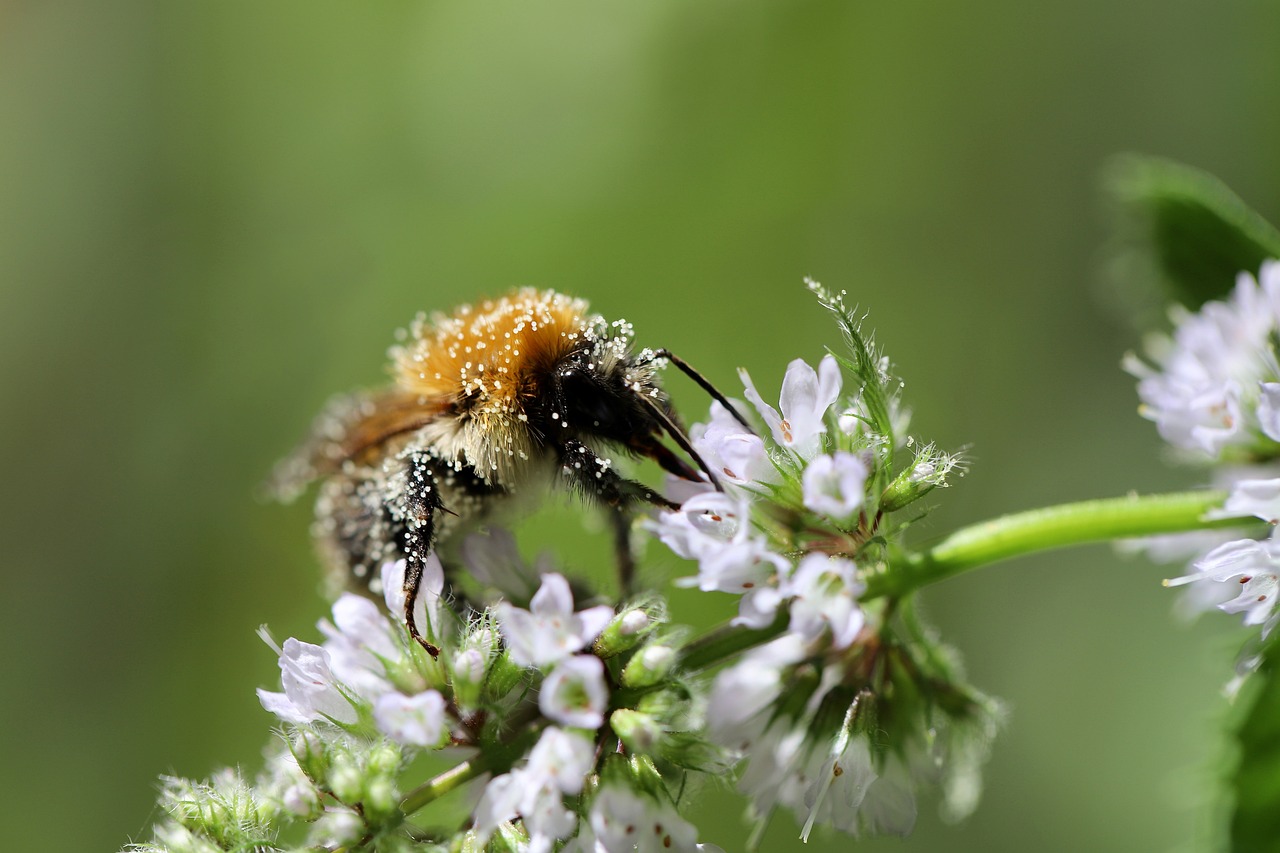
x=561 y=759
x=743 y=693
x=825 y=594
x=734 y=453
x=1252 y=567
x=1258 y=498
x=889 y=807
x=714 y=529
x=1208 y=390
x=426 y=607
x=574 y=694
x=836 y=793
x=1269 y=409
x=558 y=765
x=806 y=396
x=310 y=690
x=360 y=643
x=835 y=485
x=549 y=630
x=624 y=821
x=412 y=720
x=703 y=524
x=359 y=640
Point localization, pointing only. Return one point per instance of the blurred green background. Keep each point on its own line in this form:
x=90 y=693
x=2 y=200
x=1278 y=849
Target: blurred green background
x=213 y=215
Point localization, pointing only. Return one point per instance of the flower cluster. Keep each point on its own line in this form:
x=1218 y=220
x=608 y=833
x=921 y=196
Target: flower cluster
x=800 y=522
x=1213 y=390
x=579 y=728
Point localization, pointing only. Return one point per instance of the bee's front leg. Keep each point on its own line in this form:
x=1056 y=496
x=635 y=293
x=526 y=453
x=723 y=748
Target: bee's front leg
x=596 y=479
x=414 y=502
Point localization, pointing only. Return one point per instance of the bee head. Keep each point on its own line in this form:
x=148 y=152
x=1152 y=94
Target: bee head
x=600 y=394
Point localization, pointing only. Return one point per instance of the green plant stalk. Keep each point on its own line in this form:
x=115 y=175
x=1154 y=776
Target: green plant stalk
x=494 y=757
x=1047 y=529
x=991 y=541
x=437 y=787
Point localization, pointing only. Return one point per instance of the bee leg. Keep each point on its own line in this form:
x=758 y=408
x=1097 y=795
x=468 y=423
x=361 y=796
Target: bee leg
x=415 y=506
x=595 y=478
x=620 y=521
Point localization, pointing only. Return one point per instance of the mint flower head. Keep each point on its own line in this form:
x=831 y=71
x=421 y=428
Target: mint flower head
x=1213 y=387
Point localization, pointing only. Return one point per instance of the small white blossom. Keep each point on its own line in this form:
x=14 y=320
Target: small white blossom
x=574 y=694
x=624 y=821
x=558 y=765
x=806 y=396
x=840 y=785
x=549 y=630
x=359 y=640
x=1258 y=498
x=743 y=693
x=310 y=690
x=1250 y=566
x=733 y=452
x=412 y=720
x=835 y=485
x=825 y=594
x=1269 y=409
x=714 y=529
x=704 y=524
x=1209 y=387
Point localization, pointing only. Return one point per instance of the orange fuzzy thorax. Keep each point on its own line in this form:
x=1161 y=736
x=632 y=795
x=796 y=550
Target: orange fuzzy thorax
x=489 y=351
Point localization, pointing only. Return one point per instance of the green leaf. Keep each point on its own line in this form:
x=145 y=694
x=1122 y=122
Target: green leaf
x=1185 y=230
x=1255 y=823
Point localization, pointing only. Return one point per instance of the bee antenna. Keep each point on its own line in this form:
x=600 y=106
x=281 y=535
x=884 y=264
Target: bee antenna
x=681 y=440
x=706 y=385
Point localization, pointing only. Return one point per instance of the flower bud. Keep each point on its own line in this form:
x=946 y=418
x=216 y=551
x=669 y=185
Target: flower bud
x=384 y=760
x=381 y=798
x=929 y=472
x=638 y=732
x=625 y=631
x=309 y=751
x=346 y=781
x=649 y=666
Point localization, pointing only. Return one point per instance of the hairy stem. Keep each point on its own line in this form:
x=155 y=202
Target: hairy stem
x=990 y=542
x=495 y=758
x=726 y=641
x=1047 y=529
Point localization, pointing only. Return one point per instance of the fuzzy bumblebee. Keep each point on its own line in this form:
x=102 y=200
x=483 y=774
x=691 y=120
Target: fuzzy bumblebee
x=513 y=396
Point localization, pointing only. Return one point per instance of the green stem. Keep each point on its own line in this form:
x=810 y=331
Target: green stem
x=725 y=641
x=454 y=777
x=1046 y=529
x=991 y=541
x=494 y=757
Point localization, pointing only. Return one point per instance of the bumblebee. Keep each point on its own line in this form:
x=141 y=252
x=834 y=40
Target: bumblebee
x=513 y=396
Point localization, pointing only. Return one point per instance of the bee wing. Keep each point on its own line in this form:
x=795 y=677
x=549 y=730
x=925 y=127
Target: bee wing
x=350 y=426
